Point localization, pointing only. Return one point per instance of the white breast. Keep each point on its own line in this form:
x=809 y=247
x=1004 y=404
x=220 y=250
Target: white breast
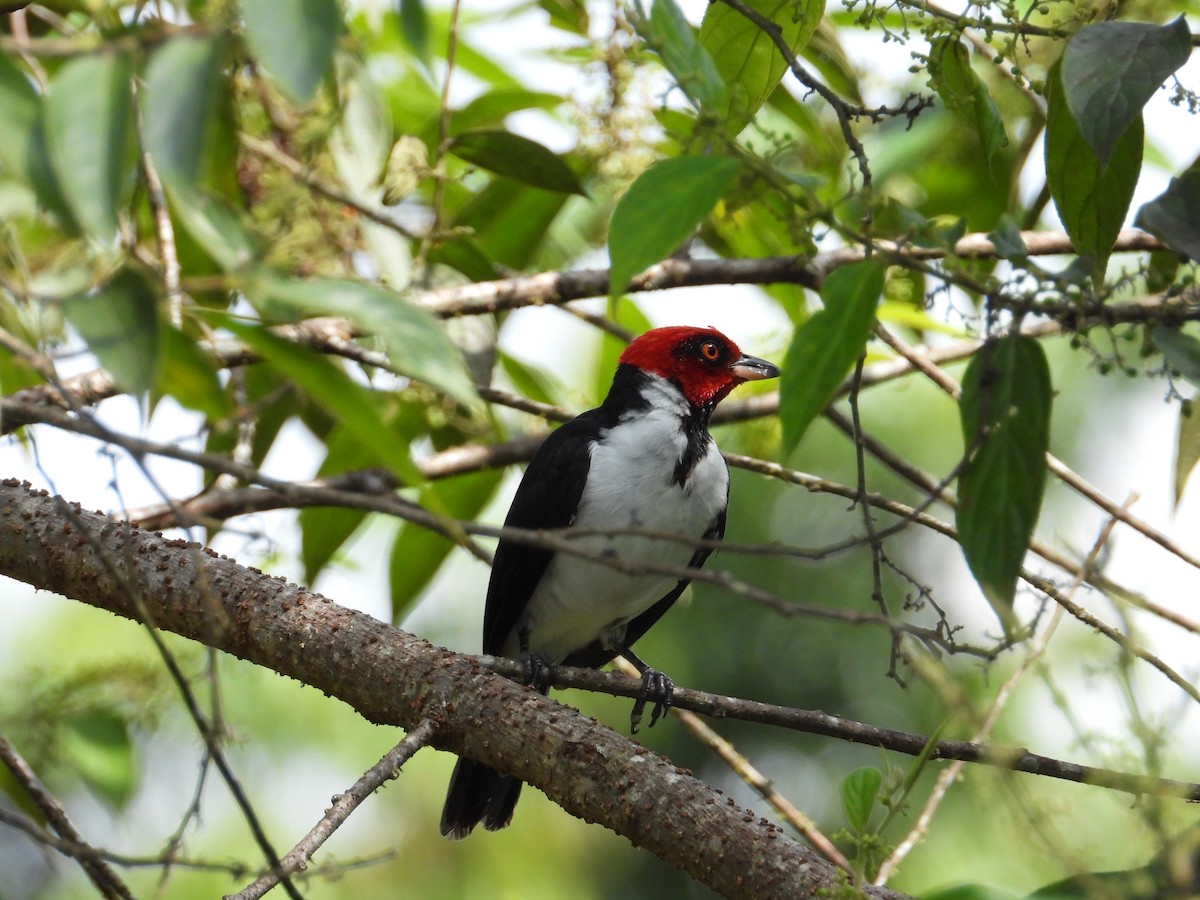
x=630 y=485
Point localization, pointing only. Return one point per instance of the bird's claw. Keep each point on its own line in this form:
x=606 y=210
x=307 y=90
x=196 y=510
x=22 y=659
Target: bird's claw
x=538 y=670
x=656 y=688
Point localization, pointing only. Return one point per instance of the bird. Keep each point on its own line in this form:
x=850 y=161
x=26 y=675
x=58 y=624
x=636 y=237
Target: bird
x=642 y=463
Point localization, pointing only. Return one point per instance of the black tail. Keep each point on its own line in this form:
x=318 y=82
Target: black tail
x=478 y=794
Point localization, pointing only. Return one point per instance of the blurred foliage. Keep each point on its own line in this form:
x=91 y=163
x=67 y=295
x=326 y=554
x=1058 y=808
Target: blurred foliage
x=178 y=175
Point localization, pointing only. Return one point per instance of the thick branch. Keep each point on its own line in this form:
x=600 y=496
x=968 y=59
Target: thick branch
x=391 y=677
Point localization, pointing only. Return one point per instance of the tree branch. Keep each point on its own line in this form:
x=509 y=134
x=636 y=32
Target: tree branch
x=394 y=678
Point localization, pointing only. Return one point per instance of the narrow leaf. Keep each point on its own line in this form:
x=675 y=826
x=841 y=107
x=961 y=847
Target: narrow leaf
x=670 y=34
x=1005 y=409
x=89 y=119
x=294 y=40
x=20 y=108
x=180 y=103
x=860 y=791
x=414 y=341
x=1187 y=447
x=661 y=209
x=1174 y=215
x=516 y=157
x=119 y=322
x=491 y=108
x=414 y=25
x=965 y=94
x=1091 y=198
x=509 y=220
x=1110 y=70
x=749 y=62
x=825 y=347
x=101 y=752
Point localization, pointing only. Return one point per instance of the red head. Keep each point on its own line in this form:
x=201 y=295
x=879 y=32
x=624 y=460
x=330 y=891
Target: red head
x=703 y=362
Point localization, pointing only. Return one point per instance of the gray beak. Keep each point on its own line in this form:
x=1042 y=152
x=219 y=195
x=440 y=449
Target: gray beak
x=751 y=368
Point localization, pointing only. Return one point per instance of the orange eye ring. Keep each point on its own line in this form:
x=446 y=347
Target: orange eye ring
x=710 y=351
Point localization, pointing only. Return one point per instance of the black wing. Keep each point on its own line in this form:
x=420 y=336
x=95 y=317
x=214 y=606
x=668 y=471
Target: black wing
x=548 y=497
x=595 y=656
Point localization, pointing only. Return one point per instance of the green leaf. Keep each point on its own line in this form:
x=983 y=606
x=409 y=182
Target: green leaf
x=509 y=220
x=825 y=347
x=516 y=157
x=860 y=791
x=294 y=40
x=491 y=108
x=20 y=109
x=1005 y=410
x=89 y=122
x=670 y=34
x=119 y=322
x=418 y=553
x=1180 y=350
x=626 y=313
x=180 y=104
x=1110 y=70
x=661 y=209
x=824 y=50
x=101 y=753
x=414 y=341
x=965 y=94
x=568 y=15
x=414 y=25
x=1174 y=215
x=749 y=62
x=360 y=410
x=188 y=375
x=1187 y=447
x=972 y=892
x=1091 y=198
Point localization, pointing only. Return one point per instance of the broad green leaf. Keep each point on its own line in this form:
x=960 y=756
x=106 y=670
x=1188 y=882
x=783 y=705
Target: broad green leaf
x=749 y=62
x=670 y=34
x=418 y=553
x=1187 y=447
x=509 y=220
x=1110 y=70
x=491 y=108
x=98 y=746
x=214 y=224
x=89 y=122
x=414 y=341
x=529 y=380
x=626 y=313
x=119 y=322
x=1091 y=198
x=180 y=103
x=294 y=40
x=361 y=411
x=661 y=209
x=20 y=109
x=188 y=375
x=516 y=157
x=825 y=347
x=860 y=792
x=824 y=50
x=965 y=94
x=1174 y=215
x=568 y=15
x=1005 y=410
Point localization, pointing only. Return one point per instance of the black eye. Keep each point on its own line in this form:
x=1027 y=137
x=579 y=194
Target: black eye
x=710 y=351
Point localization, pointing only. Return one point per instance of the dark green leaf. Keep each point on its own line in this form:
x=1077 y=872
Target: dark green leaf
x=188 y=375
x=414 y=25
x=516 y=157
x=119 y=322
x=20 y=109
x=528 y=380
x=972 y=892
x=1091 y=198
x=509 y=220
x=294 y=40
x=89 y=119
x=860 y=791
x=214 y=224
x=825 y=347
x=1110 y=70
x=415 y=342
x=180 y=103
x=669 y=33
x=417 y=552
x=1005 y=409
x=491 y=108
x=965 y=94
x=1187 y=447
x=361 y=411
x=749 y=62
x=98 y=746
x=1174 y=215
x=661 y=209
x=1006 y=236
x=463 y=254
x=1181 y=351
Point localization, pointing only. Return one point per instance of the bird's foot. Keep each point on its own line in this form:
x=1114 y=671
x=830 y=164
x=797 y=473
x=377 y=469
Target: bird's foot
x=656 y=688
x=538 y=670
